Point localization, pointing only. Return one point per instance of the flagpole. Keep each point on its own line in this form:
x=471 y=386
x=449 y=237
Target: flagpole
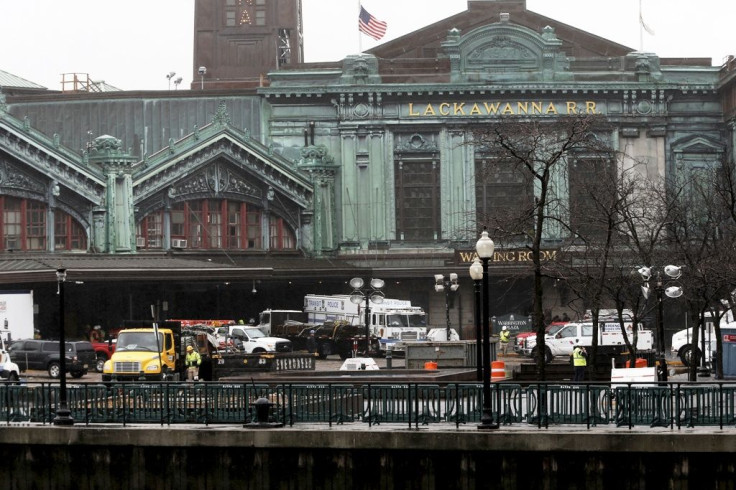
x=360 y=36
x=641 y=29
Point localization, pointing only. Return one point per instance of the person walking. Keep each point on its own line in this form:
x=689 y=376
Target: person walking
x=579 y=362
x=504 y=338
x=193 y=360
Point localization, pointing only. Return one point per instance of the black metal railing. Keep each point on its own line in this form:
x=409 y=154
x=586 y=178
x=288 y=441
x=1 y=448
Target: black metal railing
x=413 y=404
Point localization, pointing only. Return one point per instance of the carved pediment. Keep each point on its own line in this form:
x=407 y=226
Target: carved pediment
x=215 y=180
x=506 y=52
x=503 y=50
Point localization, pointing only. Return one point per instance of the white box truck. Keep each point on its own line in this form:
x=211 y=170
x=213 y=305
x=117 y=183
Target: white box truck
x=16 y=315
x=609 y=334
x=391 y=321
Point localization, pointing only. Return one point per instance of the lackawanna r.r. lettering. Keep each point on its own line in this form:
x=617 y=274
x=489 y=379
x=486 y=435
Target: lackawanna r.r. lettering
x=516 y=108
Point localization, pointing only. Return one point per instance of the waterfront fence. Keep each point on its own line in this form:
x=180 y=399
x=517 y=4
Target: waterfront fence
x=412 y=404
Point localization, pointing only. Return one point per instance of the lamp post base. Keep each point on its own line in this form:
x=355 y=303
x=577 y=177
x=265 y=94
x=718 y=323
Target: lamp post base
x=662 y=370
x=487 y=423
x=63 y=417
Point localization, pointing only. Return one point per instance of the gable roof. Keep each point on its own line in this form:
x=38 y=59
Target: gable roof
x=426 y=42
x=10 y=81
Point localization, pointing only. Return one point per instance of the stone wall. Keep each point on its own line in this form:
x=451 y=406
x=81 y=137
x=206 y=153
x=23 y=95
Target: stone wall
x=231 y=457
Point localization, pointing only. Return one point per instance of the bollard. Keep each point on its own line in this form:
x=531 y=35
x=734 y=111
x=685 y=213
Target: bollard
x=263 y=407
x=389 y=357
x=263 y=411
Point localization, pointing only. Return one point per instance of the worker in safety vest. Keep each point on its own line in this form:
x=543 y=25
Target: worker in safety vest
x=579 y=362
x=192 y=360
x=504 y=337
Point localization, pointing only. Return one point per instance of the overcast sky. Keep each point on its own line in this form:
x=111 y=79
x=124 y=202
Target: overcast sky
x=133 y=44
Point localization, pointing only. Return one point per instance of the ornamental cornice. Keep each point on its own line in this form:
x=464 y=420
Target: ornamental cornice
x=198 y=163
x=461 y=89
x=50 y=159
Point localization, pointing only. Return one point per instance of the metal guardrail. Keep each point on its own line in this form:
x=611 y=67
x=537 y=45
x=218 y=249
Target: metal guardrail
x=544 y=404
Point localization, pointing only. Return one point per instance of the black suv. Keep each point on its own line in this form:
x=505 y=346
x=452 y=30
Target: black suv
x=44 y=355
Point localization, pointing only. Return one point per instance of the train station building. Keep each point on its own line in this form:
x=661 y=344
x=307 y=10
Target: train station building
x=272 y=178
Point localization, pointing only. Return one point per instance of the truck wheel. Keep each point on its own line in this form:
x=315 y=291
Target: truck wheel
x=54 y=370
x=259 y=350
x=100 y=364
x=324 y=351
x=344 y=355
x=689 y=355
x=13 y=378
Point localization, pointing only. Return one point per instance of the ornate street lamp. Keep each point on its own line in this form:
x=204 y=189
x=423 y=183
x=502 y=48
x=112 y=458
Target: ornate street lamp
x=63 y=414
x=654 y=280
x=440 y=285
x=476 y=274
x=359 y=295
x=485 y=247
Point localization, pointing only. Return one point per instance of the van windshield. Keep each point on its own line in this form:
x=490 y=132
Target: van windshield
x=139 y=341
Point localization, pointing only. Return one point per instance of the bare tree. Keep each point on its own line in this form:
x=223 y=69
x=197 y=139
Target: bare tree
x=700 y=219
x=535 y=152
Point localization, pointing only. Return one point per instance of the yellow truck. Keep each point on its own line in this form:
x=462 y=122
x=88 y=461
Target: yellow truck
x=140 y=355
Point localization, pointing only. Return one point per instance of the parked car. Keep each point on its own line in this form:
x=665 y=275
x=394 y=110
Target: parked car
x=104 y=351
x=44 y=355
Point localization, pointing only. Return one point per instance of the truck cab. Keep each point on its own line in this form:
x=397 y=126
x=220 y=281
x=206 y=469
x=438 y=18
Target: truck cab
x=140 y=354
x=269 y=318
x=250 y=339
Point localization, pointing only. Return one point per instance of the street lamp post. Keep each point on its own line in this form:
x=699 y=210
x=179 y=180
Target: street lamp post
x=653 y=280
x=63 y=414
x=359 y=295
x=485 y=247
x=476 y=273
x=440 y=285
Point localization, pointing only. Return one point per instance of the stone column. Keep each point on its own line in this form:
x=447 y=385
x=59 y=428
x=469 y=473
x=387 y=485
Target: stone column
x=117 y=166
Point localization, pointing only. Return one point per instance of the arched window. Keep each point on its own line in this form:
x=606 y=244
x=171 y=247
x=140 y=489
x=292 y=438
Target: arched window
x=23 y=226
x=215 y=224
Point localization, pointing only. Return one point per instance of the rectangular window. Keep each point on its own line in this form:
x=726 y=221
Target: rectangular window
x=253 y=228
x=77 y=236
x=214 y=224
x=61 y=231
x=12 y=224
x=178 y=221
x=418 y=200
x=234 y=225
x=154 y=232
x=230 y=18
x=590 y=181
x=35 y=225
x=503 y=196
x=260 y=17
x=196 y=224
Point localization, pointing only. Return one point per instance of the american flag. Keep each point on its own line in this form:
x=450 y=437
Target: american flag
x=368 y=24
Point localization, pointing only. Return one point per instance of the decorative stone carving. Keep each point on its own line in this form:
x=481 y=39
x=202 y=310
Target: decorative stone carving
x=213 y=181
x=222 y=117
x=360 y=70
x=504 y=51
x=415 y=143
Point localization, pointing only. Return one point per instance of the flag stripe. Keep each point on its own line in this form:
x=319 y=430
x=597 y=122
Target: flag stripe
x=371 y=26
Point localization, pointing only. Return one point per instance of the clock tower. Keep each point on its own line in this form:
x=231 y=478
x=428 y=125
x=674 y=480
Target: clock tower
x=237 y=42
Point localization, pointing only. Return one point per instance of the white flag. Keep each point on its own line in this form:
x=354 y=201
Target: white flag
x=644 y=25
